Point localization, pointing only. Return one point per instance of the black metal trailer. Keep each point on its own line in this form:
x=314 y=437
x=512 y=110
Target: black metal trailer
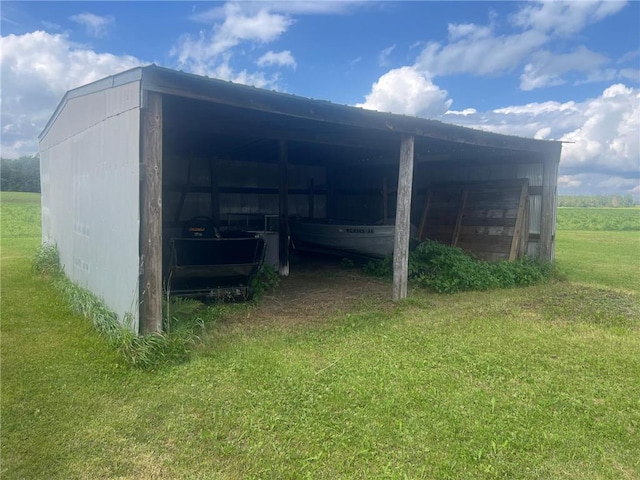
x=213 y=264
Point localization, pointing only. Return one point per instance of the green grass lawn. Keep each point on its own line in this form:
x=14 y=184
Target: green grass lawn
x=600 y=246
x=540 y=382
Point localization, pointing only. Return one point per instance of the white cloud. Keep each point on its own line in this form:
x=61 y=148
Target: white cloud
x=95 y=25
x=604 y=133
x=467 y=30
x=609 y=75
x=565 y=17
x=37 y=69
x=568 y=181
x=405 y=90
x=547 y=69
x=284 y=58
x=464 y=113
x=628 y=57
x=207 y=53
x=597 y=184
x=383 y=56
x=317 y=7
x=478 y=50
x=50 y=25
x=472 y=51
x=608 y=139
x=543 y=133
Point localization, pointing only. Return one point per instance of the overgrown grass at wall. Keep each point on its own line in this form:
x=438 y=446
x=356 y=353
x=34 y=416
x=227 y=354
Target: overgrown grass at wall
x=184 y=320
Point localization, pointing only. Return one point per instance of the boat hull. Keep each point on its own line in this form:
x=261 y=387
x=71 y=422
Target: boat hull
x=365 y=240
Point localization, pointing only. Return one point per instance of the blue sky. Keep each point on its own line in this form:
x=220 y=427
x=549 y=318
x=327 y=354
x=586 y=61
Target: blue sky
x=563 y=70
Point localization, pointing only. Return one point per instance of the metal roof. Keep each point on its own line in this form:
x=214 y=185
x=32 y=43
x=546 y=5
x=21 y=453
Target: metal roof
x=282 y=115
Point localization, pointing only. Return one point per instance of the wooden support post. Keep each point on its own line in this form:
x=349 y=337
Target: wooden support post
x=403 y=219
x=330 y=202
x=185 y=190
x=312 y=198
x=215 y=191
x=456 y=228
x=283 y=210
x=549 y=202
x=151 y=216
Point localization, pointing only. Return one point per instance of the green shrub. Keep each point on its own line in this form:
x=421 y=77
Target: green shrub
x=347 y=263
x=266 y=279
x=446 y=269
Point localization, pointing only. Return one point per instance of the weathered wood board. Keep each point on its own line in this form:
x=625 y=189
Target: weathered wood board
x=487 y=219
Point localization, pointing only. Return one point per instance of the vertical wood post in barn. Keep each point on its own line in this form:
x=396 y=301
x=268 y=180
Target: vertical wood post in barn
x=403 y=219
x=151 y=216
x=312 y=198
x=549 y=203
x=214 y=194
x=283 y=210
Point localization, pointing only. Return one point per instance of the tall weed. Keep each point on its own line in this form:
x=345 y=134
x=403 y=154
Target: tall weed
x=182 y=322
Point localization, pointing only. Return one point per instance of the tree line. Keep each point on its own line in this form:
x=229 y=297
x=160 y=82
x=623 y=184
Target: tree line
x=595 y=201
x=20 y=174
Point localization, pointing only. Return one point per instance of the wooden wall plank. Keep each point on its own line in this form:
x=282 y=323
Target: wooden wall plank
x=311 y=198
x=517 y=234
x=549 y=199
x=461 y=208
x=215 y=190
x=480 y=217
x=422 y=230
x=151 y=216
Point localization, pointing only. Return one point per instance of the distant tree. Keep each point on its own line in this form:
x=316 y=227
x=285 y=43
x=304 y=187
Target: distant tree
x=20 y=174
x=587 y=201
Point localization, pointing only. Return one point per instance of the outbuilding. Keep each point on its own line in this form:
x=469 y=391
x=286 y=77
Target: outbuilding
x=127 y=159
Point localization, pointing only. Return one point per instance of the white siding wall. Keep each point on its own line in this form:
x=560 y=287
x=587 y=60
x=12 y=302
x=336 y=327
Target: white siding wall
x=90 y=194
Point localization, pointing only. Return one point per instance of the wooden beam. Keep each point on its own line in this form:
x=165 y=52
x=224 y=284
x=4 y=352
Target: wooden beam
x=463 y=205
x=283 y=210
x=423 y=221
x=311 y=198
x=151 y=216
x=403 y=219
x=186 y=188
x=549 y=202
x=214 y=166
x=520 y=218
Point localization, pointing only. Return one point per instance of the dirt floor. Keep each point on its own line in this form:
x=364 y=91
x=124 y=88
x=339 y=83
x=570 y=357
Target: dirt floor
x=318 y=288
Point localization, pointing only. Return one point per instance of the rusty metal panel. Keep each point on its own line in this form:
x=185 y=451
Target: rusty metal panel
x=91 y=200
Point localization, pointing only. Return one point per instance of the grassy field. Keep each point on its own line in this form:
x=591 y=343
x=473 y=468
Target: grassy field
x=600 y=246
x=539 y=382
x=599 y=219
